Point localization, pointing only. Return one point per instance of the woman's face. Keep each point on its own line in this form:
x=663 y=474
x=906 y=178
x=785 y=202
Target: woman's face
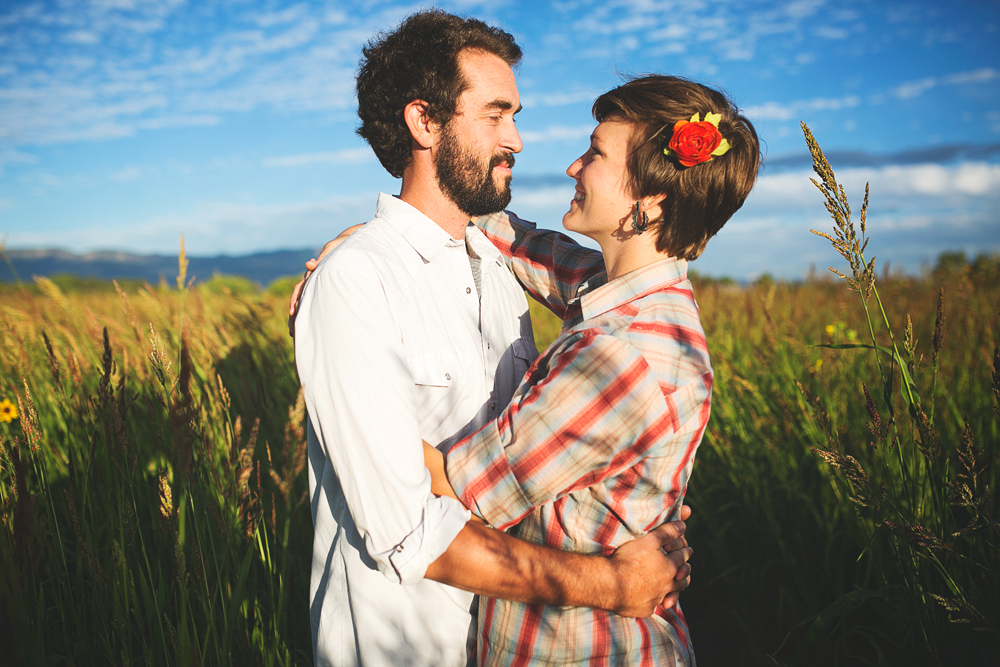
x=603 y=198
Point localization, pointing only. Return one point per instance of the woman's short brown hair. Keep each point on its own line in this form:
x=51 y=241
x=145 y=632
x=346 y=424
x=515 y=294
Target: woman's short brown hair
x=699 y=199
x=419 y=61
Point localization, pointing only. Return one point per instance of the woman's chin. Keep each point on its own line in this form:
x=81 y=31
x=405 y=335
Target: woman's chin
x=567 y=220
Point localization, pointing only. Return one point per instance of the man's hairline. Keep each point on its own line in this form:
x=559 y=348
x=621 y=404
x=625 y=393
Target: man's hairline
x=464 y=84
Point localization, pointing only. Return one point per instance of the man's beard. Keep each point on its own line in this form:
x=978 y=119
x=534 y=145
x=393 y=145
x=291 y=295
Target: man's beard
x=463 y=178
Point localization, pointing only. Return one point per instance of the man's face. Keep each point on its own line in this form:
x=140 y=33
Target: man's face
x=474 y=152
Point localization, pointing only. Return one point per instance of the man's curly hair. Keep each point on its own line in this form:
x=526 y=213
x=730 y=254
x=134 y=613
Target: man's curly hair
x=418 y=61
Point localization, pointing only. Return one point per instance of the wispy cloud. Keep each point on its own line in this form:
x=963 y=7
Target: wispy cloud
x=913 y=89
x=794 y=109
x=556 y=99
x=924 y=155
x=347 y=156
x=557 y=133
x=788 y=110
x=126 y=174
x=218 y=227
x=916 y=212
x=111 y=69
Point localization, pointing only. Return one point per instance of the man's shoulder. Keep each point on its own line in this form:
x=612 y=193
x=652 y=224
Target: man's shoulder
x=369 y=251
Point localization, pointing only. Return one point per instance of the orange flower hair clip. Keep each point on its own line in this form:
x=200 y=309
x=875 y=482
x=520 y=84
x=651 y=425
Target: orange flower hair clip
x=696 y=141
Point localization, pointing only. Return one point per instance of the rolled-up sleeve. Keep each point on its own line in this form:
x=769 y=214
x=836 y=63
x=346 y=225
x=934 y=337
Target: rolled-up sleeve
x=594 y=410
x=360 y=398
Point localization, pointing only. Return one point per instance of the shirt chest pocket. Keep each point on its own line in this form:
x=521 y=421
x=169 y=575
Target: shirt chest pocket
x=443 y=397
x=444 y=367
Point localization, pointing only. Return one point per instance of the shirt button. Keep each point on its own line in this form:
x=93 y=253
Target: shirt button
x=447 y=376
x=468 y=290
x=493 y=405
x=399 y=548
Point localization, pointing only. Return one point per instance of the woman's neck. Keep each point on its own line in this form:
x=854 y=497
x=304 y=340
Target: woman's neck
x=625 y=256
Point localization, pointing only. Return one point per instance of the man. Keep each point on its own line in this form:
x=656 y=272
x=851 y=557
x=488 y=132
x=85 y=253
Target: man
x=415 y=330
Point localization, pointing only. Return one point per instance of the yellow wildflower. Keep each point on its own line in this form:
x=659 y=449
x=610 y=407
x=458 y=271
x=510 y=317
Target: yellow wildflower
x=8 y=412
x=829 y=329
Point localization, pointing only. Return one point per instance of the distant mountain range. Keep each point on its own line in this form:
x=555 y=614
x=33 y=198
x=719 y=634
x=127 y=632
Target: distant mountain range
x=261 y=267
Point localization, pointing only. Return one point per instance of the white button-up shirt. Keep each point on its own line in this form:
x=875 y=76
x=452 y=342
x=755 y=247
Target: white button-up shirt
x=393 y=346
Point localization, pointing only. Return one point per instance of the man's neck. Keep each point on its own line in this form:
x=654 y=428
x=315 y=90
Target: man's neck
x=422 y=192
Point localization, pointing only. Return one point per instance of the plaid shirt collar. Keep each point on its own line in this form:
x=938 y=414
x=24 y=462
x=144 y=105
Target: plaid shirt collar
x=598 y=296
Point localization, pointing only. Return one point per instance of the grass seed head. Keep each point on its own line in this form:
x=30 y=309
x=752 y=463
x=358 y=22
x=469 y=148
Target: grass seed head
x=182 y=266
x=928 y=441
x=878 y=430
x=917 y=535
x=847 y=243
x=996 y=380
x=53 y=362
x=864 y=495
x=939 y=326
x=909 y=345
x=166 y=496
x=129 y=312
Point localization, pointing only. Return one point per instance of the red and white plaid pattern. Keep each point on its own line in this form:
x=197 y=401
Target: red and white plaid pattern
x=596 y=447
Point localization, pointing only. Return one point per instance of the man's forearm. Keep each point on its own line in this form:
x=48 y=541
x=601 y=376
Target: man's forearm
x=493 y=563
x=489 y=562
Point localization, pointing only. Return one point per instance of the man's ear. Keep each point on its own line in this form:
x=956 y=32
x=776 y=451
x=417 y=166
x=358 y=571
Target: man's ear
x=422 y=128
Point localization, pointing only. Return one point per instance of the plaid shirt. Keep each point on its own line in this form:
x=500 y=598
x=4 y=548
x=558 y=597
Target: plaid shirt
x=596 y=447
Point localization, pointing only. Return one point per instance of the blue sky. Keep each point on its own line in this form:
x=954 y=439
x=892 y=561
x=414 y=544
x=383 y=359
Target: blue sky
x=124 y=123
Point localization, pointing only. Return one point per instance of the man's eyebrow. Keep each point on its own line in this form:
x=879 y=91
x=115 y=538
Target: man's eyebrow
x=501 y=104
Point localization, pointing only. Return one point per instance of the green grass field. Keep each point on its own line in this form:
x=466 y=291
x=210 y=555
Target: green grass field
x=153 y=493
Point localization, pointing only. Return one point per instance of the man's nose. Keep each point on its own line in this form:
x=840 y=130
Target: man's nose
x=512 y=139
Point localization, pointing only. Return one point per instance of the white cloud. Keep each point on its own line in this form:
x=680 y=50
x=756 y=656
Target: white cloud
x=347 y=156
x=794 y=109
x=82 y=37
x=529 y=100
x=218 y=227
x=913 y=89
x=557 y=133
x=969 y=181
x=126 y=174
x=12 y=156
x=552 y=197
x=113 y=68
x=981 y=75
x=801 y=9
x=915 y=212
x=828 y=32
x=177 y=121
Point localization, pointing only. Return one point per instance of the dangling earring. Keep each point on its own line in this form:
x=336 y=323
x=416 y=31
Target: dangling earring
x=639 y=227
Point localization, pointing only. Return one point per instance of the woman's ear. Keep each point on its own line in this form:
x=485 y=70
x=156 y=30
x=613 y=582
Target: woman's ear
x=651 y=206
x=422 y=128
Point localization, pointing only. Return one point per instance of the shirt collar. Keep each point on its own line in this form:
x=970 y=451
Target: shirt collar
x=425 y=235
x=482 y=245
x=597 y=296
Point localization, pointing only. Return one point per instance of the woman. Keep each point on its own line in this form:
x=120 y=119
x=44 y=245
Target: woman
x=598 y=443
